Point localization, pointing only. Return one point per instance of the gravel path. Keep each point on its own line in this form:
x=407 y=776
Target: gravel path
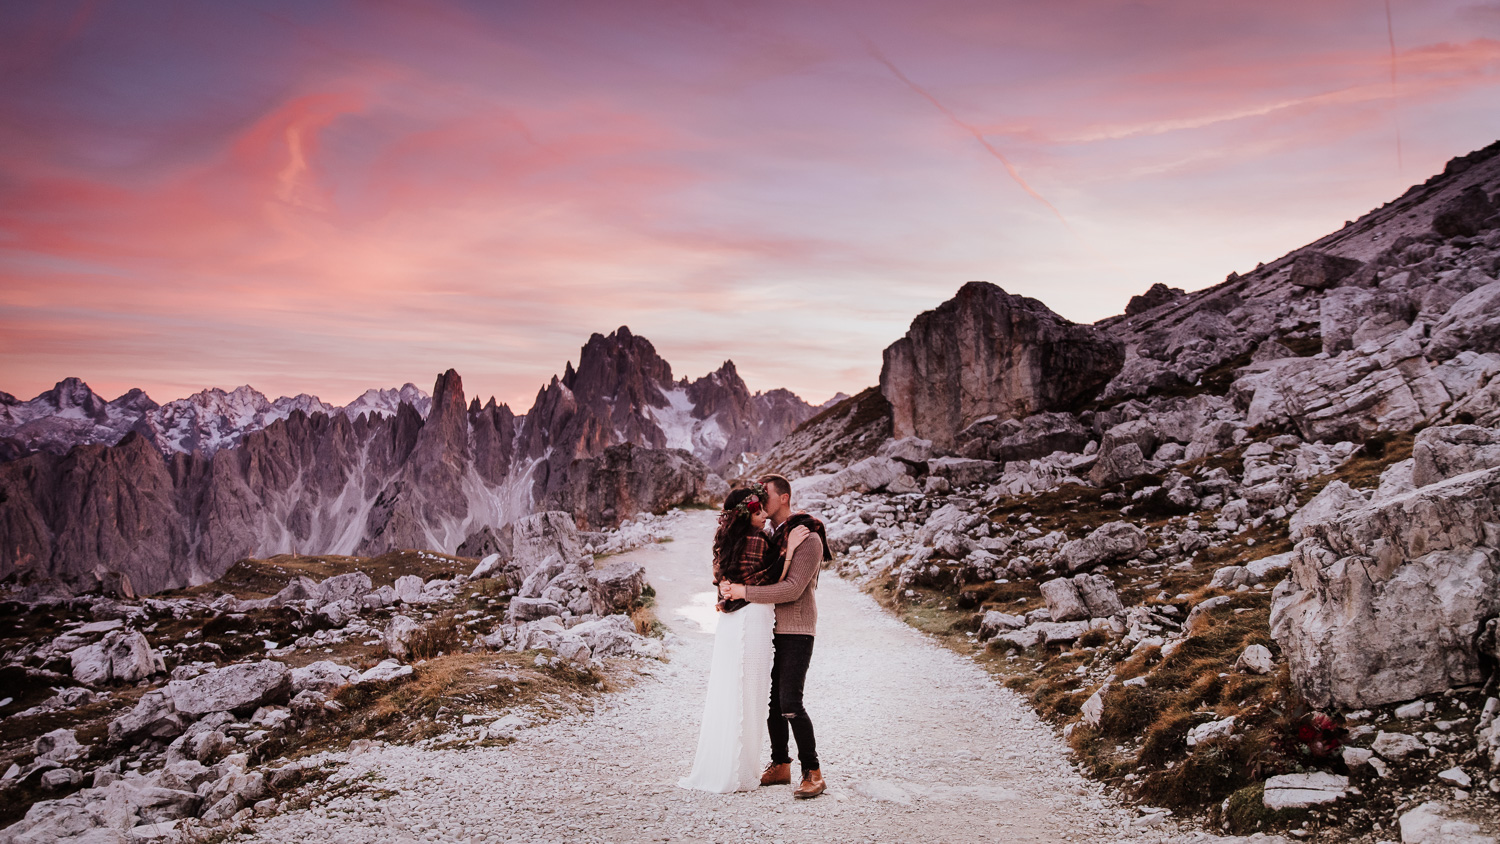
x=918 y=744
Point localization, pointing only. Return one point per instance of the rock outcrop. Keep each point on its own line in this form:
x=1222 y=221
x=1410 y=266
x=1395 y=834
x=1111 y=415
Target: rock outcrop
x=1388 y=596
x=988 y=353
x=302 y=477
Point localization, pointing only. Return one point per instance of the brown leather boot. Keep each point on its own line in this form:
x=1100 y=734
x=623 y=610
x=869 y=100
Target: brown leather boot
x=812 y=785
x=777 y=774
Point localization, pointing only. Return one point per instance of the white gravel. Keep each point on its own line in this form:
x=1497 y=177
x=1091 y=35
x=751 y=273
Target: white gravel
x=917 y=743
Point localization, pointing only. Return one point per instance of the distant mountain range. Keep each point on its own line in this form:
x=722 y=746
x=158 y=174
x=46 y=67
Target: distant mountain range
x=174 y=494
x=72 y=414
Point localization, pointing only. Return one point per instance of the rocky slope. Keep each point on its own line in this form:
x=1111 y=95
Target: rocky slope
x=615 y=437
x=193 y=710
x=1253 y=570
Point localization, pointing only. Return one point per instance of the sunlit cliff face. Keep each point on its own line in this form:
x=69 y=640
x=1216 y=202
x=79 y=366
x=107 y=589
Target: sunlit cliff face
x=330 y=198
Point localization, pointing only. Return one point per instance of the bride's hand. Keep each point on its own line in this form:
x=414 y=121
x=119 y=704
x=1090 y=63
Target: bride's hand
x=795 y=538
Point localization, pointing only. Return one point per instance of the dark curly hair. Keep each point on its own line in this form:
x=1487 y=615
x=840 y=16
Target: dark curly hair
x=734 y=523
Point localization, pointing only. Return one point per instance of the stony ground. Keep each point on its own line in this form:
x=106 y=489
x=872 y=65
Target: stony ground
x=918 y=744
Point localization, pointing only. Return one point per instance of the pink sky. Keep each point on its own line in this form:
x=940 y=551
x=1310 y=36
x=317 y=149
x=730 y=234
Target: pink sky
x=329 y=197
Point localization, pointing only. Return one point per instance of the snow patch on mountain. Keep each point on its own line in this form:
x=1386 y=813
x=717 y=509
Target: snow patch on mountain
x=702 y=437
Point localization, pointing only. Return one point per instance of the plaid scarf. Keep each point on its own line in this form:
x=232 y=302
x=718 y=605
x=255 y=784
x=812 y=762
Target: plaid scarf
x=754 y=567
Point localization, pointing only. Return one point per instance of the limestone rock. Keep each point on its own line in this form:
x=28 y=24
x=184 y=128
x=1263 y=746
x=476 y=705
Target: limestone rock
x=1387 y=597
x=153 y=715
x=1063 y=600
x=1123 y=462
x=59 y=745
x=996 y=622
x=121 y=656
x=1082 y=597
x=1110 y=542
x=386 y=671
x=963 y=471
x=1159 y=294
x=325 y=675
x=1039 y=435
x=546 y=534
x=240 y=687
x=522 y=610
x=1255 y=659
x=1298 y=791
x=616 y=587
x=909 y=449
x=1318 y=270
x=1212 y=730
x=1471 y=324
x=612 y=635
x=398 y=635
x=1441 y=453
x=1396 y=746
x=1465 y=215
x=988 y=353
x=1430 y=823
x=627 y=479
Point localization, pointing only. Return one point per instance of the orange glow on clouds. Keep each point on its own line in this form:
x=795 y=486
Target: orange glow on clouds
x=329 y=199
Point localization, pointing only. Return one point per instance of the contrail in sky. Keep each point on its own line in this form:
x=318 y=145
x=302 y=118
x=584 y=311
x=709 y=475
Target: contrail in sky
x=1390 y=31
x=978 y=135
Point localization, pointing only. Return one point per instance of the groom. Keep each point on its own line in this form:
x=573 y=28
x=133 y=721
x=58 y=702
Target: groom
x=796 y=623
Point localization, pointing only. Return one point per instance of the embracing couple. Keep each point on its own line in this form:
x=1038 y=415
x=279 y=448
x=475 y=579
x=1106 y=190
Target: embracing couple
x=766 y=561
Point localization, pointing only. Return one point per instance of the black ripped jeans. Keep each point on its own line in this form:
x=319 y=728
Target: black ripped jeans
x=788 y=673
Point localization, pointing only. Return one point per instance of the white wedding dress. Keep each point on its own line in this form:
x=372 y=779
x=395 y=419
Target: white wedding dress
x=739 y=698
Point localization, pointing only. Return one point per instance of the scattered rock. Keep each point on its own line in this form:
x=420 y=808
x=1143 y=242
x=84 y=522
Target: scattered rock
x=1429 y=824
x=1255 y=659
x=616 y=587
x=1299 y=791
x=1396 y=746
x=234 y=688
x=121 y=656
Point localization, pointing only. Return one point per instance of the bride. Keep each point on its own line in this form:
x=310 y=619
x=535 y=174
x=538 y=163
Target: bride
x=739 y=677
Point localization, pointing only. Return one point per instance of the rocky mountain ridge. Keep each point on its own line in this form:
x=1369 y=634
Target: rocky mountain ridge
x=600 y=440
x=72 y=414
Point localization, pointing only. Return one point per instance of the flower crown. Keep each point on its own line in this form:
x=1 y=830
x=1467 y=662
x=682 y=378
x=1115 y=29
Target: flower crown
x=753 y=503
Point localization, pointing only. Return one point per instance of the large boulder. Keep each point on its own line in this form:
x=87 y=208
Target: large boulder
x=1387 y=596
x=1082 y=597
x=398 y=635
x=1447 y=452
x=1120 y=463
x=234 y=688
x=1159 y=294
x=542 y=535
x=322 y=676
x=154 y=715
x=963 y=471
x=522 y=610
x=616 y=587
x=1319 y=270
x=1039 y=435
x=1109 y=543
x=121 y=656
x=1471 y=324
x=1465 y=215
x=988 y=353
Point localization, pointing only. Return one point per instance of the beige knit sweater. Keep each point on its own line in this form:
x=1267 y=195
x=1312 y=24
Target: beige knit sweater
x=795 y=596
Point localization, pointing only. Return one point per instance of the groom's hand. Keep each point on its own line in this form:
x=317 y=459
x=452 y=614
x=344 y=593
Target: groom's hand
x=723 y=589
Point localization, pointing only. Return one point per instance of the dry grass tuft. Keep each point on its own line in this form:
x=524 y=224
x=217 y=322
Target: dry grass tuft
x=435 y=638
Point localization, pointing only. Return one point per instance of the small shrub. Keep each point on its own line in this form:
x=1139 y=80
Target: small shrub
x=438 y=636
x=1094 y=638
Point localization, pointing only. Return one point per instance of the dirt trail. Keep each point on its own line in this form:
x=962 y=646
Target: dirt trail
x=917 y=743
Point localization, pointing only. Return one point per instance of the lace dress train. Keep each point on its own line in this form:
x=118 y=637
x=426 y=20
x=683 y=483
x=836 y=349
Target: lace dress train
x=739 y=698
